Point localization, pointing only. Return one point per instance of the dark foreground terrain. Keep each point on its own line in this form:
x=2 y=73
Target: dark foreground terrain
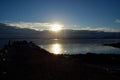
x=21 y=60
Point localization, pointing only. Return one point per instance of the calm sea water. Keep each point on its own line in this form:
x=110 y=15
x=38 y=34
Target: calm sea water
x=73 y=46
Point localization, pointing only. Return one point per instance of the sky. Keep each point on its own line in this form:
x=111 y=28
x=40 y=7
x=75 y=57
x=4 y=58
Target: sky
x=73 y=14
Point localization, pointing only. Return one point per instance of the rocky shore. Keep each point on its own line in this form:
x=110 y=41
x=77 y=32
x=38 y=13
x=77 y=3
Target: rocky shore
x=22 y=60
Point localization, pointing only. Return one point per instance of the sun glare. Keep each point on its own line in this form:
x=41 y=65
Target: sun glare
x=56 y=27
x=56 y=48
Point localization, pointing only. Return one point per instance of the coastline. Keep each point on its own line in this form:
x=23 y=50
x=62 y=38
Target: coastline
x=25 y=60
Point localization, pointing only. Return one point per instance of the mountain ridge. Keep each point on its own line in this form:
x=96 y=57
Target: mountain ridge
x=7 y=31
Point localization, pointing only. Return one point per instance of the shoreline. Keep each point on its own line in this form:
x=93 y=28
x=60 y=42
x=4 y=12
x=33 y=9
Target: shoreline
x=25 y=60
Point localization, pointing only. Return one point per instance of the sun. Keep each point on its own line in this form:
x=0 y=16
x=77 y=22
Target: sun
x=56 y=27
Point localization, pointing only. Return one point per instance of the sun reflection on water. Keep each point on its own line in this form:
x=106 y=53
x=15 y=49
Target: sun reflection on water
x=56 y=48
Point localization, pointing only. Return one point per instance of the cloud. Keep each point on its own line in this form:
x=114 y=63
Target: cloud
x=117 y=20
x=32 y=25
x=39 y=26
x=101 y=29
x=105 y=29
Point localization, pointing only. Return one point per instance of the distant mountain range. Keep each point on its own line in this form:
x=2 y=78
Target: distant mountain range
x=15 y=32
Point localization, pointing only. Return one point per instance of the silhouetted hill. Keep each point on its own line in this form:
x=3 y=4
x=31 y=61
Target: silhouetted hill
x=86 y=34
x=117 y=45
x=15 y=32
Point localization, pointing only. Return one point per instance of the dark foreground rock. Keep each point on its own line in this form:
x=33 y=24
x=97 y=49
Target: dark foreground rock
x=21 y=60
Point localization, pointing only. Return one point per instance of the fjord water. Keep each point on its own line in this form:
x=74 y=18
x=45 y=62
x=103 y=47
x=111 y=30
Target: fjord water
x=83 y=46
x=72 y=46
